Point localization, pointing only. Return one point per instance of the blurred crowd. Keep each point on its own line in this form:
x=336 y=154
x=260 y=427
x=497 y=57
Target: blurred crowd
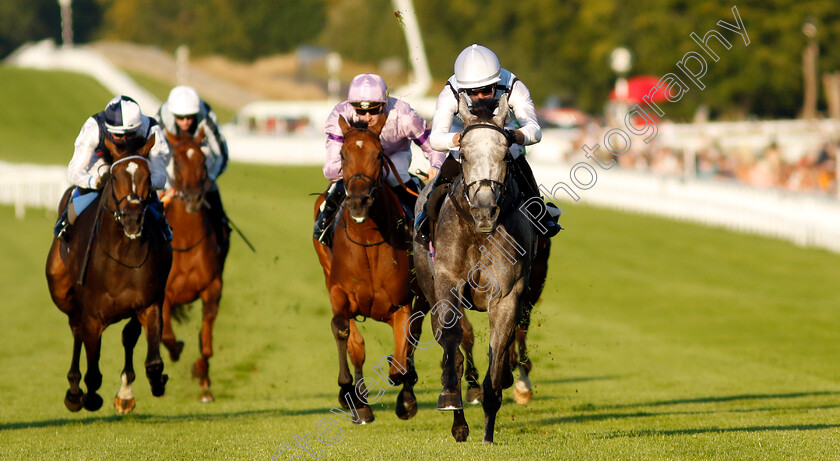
x=813 y=170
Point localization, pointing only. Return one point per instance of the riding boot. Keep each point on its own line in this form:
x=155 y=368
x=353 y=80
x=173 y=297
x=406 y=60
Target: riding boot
x=323 y=223
x=62 y=226
x=217 y=215
x=448 y=171
x=156 y=209
x=528 y=188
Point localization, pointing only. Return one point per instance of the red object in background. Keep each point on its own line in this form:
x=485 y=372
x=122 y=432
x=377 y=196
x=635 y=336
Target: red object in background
x=638 y=87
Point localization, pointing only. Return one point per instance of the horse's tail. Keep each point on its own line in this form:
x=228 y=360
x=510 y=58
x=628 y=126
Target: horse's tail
x=180 y=313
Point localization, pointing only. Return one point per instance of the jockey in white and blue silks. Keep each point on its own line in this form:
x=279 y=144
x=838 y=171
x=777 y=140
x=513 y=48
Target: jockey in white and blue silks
x=185 y=112
x=123 y=123
x=478 y=75
x=367 y=100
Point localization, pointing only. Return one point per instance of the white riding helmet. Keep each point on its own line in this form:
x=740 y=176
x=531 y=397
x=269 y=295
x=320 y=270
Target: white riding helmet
x=476 y=67
x=183 y=100
x=122 y=115
x=367 y=91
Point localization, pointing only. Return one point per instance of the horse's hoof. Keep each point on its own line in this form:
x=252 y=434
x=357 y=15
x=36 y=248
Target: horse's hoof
x=406 y=408
x=461 y=433
x=123 y=407
x=175 y=350
x=206 y=397
x=365 y=416
x=449 y=401
x=522 y=393
x=474 y=396
x=72 y=401
x=159 y=388
x=92 y=401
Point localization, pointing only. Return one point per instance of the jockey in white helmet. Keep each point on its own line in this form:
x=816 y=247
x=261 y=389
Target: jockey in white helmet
x=123 y=123
x=367 y=100
x=185 y=112
x=478 y=75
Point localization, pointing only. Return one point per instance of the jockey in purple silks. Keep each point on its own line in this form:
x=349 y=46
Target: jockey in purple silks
x=367 y=100
x=478 y=75
x=125 y=125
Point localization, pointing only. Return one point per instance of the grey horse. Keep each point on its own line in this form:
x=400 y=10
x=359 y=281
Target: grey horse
x=483 y=250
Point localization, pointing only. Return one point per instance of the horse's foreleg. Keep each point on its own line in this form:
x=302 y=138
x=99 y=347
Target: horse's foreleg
x=210 y=301
x=470 y=371
x=356 y=351
x=124 y=400
x=341 y=332
x=151 y=318
x=92 y=338
x=402 y=364
x=499 y=376
x=73 y=397
x=173 y=345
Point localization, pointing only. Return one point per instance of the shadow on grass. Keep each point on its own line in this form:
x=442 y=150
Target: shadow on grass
x=721 y=430
x=713 y=399
x=158 y=419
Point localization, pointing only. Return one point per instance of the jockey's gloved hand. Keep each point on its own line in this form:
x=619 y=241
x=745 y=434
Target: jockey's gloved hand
x=511 y=137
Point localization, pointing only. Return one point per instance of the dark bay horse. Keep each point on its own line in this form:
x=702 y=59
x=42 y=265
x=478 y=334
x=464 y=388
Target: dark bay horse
x=484 y=250
x=124 y=277
x=368 y=274
x=198 y=259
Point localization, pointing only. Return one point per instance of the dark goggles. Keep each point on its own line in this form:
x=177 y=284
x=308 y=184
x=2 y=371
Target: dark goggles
x=373 y=110
x=484 y=90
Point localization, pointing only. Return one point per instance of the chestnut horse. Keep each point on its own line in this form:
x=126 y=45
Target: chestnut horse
x=368 y=274
x=198 y=259
x=124 y=277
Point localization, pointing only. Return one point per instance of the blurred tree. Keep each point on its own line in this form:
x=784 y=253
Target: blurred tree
x=22 y=21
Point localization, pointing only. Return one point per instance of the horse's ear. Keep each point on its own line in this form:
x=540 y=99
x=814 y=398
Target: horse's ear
x=504 y=108
x=113 y=150
x=172 y=138
x=199 y=137
x=377 y=129
x=464 y=111
x=144 y=152
x=342 y=123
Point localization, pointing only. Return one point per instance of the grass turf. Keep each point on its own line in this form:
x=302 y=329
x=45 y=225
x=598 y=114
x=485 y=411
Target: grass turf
x=654 y=340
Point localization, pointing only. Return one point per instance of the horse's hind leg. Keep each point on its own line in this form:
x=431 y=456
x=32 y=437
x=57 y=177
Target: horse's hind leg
x=522 y=389
x=173 y=345
x=470 y=371
x=92 y=338
x=356 y=351
x=151 y=319
x=402 y=364
x=201 y=368
x=73 y=397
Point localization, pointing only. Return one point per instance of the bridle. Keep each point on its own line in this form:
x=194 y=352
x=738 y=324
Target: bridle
x=500 y=187
x=118 y=213
x=371 y=183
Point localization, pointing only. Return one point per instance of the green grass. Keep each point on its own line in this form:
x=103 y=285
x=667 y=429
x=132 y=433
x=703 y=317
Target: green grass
x=654 y=340
x=42 y=112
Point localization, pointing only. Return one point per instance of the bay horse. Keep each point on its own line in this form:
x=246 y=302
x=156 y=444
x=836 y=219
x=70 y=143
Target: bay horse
x=124 y=277
x=198 y=259
x=484 y=248
x=368 y=274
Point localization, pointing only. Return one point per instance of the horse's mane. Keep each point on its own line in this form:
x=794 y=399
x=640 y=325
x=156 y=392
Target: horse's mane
x=360 y=124
x=483 y=108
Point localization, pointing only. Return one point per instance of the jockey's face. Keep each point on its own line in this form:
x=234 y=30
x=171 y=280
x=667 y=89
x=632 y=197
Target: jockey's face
x=484 y=92
x=185 y=122
x=121 y=138
x=370 y=116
